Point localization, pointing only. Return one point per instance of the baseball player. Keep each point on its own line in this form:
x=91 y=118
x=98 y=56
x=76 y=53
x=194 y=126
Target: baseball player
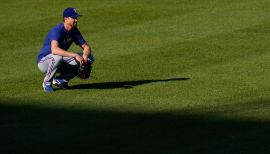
x=54 y=56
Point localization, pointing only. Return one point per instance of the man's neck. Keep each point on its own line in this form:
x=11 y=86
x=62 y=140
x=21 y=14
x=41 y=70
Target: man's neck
x=67 y=27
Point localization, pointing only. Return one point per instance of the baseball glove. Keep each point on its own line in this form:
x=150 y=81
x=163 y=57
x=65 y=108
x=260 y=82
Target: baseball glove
x=85 y=70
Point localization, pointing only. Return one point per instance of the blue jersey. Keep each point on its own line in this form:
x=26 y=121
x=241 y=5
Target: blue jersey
x=63 y=37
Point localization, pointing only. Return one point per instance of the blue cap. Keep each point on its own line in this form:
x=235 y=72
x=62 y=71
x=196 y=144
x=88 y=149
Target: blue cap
x=70 y=12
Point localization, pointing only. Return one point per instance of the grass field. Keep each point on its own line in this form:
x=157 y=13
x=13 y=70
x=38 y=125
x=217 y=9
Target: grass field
x=199 y=71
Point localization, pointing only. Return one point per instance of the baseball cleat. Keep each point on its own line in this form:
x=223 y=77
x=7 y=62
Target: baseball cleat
x=61 y=83
x=47 y=87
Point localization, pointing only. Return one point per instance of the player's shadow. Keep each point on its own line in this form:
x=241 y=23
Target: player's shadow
x=122 y=84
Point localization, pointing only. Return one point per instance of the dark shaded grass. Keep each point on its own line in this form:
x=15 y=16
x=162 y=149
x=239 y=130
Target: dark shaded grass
x=36 y=129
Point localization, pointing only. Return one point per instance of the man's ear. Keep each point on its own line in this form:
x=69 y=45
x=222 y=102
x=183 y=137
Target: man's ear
x=65 y=18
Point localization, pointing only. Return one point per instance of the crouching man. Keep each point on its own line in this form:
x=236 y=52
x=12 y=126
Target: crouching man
x=54 y=56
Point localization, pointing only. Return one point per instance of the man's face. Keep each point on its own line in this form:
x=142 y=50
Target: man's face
x=72 y=21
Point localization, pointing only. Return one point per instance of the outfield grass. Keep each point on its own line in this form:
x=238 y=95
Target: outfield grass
x=174 y=76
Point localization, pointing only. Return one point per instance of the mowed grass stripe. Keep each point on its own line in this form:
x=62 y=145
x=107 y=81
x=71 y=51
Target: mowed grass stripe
x=152 y=31
x=164 y=31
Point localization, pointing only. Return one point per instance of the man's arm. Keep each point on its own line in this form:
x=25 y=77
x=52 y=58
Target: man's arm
x=86 y=51
x=58 y=51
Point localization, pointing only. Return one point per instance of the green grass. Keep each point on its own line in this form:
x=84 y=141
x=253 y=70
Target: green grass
x=199 y=72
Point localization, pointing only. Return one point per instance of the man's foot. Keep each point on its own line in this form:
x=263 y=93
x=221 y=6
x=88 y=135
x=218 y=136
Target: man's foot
x=47 y=87
x=61 y=83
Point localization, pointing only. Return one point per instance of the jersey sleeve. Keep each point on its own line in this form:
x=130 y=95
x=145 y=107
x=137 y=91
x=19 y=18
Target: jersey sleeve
x=55 y=34
x=78 y=38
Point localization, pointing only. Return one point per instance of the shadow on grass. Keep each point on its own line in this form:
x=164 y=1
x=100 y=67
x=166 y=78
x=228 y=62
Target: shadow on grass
x=32 y=129
x=123 y=84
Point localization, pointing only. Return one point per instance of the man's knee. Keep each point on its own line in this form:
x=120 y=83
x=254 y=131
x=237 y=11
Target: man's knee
x=57 y=58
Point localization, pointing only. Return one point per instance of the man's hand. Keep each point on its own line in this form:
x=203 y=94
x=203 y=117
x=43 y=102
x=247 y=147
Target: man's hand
x=79 y=59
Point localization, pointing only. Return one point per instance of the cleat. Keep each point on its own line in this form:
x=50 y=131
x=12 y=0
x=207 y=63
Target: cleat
x=47 y=87
x=61 y=83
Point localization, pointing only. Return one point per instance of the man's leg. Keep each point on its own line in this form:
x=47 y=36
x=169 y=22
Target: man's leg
x=69 y=67
x=68 y=70
x=48 y=66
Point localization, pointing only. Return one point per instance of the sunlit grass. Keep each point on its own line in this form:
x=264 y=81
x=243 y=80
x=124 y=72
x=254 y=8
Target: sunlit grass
x=182 y=61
